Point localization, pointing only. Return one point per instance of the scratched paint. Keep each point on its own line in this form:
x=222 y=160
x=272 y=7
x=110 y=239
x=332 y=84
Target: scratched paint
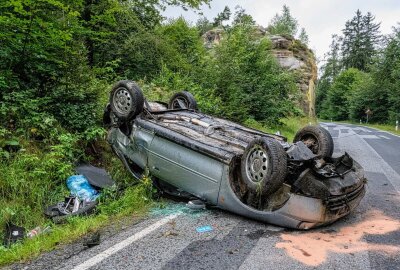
x=312 y=248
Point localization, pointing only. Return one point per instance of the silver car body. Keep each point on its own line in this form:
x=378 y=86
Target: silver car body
x=198 y=154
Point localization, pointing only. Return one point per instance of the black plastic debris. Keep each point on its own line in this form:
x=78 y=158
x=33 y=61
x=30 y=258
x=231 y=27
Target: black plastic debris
x=92 y=240
x=13 y=234
x=97 y=177
x=300 y=152
x=71 y=206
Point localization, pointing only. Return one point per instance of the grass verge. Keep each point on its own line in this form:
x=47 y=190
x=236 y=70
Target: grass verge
x=135 y=202
x=288 y=128
x=34 y=177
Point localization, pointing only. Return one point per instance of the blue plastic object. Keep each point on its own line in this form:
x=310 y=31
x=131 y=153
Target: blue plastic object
x=80 y=187
x=204 y=229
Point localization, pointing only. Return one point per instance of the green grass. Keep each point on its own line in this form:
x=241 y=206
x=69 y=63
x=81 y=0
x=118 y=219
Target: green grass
x=135 y=202
x=288 y=128
x=384 y=127
x=35 y=177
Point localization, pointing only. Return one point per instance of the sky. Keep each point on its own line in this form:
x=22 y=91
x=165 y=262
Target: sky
x=320 y=18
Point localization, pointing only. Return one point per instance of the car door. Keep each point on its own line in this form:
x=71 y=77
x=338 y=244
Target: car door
x=186 y=169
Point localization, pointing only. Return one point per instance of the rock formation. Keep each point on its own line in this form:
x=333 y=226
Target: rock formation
x=292 y=55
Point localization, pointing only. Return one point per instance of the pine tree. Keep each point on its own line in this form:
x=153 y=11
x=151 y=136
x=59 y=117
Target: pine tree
x=283 y=24
x=303 y=37
x=372 y=34
x=203 y=25
x=360 y=39
x=388 y=77
x=333 y=64
x=330 y=70
x=225 y=15
x=241 y=17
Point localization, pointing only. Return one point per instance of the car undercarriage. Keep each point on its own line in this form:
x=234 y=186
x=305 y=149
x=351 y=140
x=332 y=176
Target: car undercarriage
x=236 y=168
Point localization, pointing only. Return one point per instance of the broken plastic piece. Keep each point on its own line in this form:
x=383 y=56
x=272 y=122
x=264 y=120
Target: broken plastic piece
x=36 y=231
x=203 y=229
x=300 y=152
x=13 y=234
x=196 y=205
x=58 y=212
x=97 y=177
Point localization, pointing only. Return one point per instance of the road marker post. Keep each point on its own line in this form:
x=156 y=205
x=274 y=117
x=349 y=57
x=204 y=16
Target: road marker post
x=397 y=125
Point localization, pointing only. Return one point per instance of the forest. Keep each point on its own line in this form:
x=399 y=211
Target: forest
x=360 y=75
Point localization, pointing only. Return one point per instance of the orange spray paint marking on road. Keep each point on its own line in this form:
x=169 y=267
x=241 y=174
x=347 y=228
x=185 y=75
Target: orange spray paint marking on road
x=312 y=248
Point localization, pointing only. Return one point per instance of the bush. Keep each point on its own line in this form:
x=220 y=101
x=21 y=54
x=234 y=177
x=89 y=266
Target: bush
x=248 y=79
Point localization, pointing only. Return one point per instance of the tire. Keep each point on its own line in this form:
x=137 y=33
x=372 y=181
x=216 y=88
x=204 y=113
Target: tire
x=264 y=166
x=182 y=100
x=317 y=139
x=126 y=100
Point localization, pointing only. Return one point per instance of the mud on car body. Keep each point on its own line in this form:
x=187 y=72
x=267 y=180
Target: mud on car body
x=235 y=168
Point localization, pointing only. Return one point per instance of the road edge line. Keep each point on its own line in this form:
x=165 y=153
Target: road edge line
x=121 y=245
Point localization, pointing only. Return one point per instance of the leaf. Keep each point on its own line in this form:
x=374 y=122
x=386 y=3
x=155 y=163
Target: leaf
x=11 y=143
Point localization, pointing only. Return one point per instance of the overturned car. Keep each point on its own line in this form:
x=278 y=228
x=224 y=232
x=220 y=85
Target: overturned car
x=235 y=168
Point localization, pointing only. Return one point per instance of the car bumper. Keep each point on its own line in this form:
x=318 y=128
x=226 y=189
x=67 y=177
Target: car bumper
x=297 y=211
x=311 y=212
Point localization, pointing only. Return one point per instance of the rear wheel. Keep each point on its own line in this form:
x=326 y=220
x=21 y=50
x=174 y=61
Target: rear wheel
x=126 y=100
x=317 y=139
x=183 y=100
x=264 y=166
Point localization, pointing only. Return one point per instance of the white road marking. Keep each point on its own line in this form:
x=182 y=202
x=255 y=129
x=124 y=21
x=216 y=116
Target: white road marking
x=383 y=136
x=362 y=129
x=369 y=136
x=369 y=159
x=121 y=245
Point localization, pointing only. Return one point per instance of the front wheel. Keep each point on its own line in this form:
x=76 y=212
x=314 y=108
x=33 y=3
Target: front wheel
x=126 y=100
x=317 y=139
x=264 y=166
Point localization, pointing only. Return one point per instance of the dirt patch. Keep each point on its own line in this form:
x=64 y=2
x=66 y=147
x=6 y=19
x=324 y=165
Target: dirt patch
x=312 y=248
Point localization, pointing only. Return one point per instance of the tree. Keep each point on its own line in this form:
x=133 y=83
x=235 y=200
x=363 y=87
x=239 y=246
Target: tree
x=248 y=80
x=303 y=36
x=241 y=17
x=283 y=24
x=54 y=53
x=330 y=70
x=222 y=16
x=372 y=34
x=366 y=96
x=359 y=42
x=203 y=25
x=340 y=93
x=386 y=75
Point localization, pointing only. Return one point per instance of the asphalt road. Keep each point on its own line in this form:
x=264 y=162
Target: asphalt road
x=369 y=238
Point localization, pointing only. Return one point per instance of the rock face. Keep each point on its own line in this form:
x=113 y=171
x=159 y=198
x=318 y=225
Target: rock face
x=295 y=56
x=292 y=55
x=212 y=37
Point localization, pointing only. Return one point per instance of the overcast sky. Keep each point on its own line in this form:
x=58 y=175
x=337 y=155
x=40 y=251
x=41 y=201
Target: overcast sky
x=320 y=18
